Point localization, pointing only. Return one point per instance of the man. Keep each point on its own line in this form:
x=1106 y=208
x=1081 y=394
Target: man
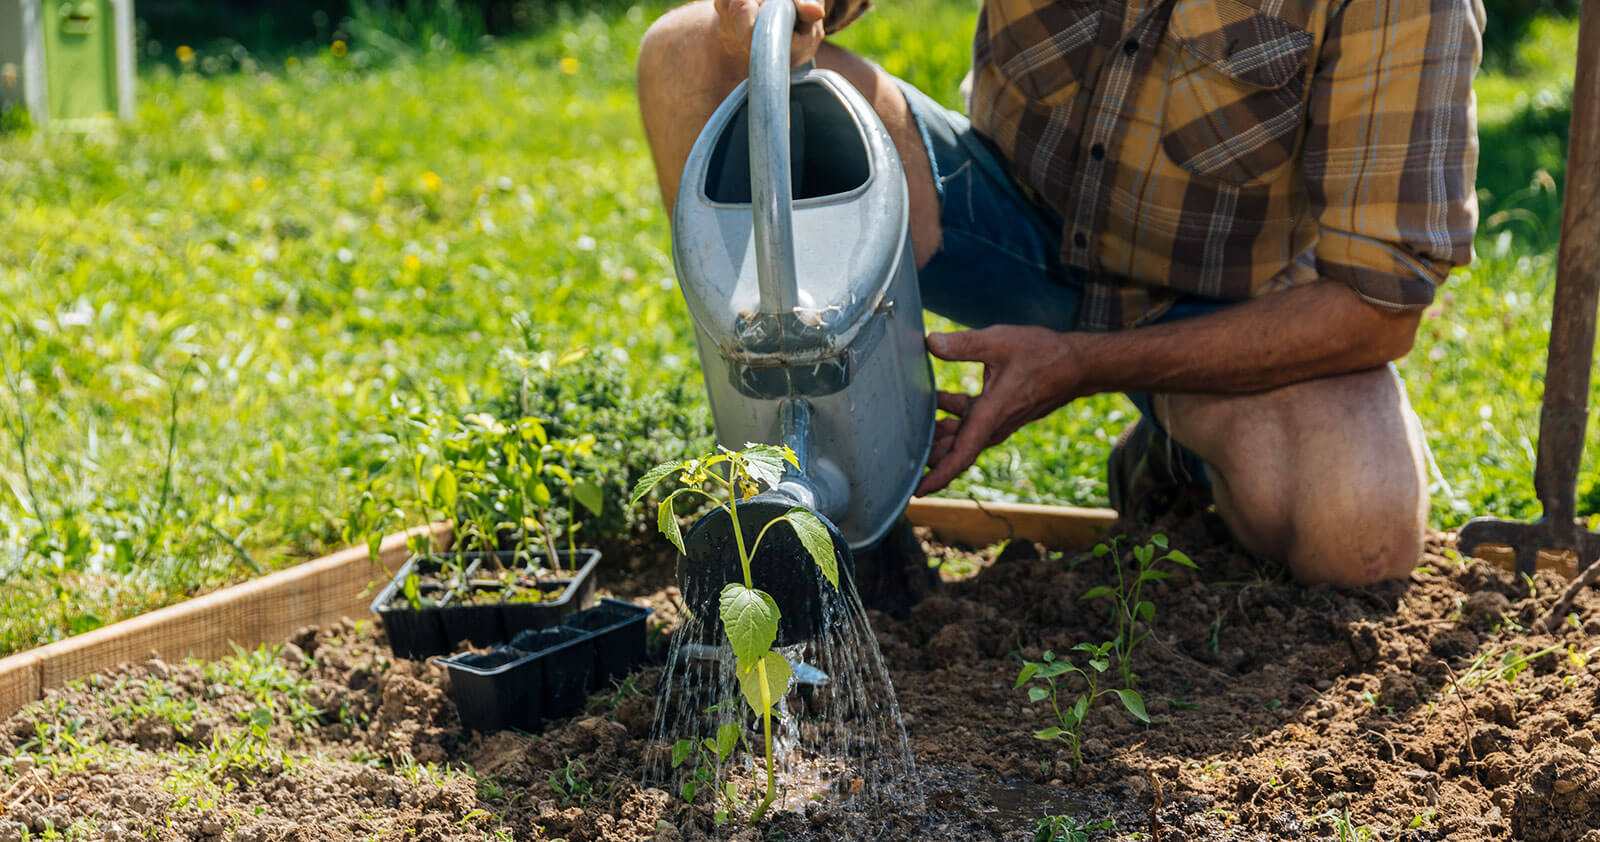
x=1234 y=210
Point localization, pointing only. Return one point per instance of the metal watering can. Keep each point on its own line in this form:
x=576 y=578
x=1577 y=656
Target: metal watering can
x=791 y=238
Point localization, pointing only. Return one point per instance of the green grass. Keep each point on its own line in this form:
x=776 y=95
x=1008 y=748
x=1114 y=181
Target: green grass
x=270 y=259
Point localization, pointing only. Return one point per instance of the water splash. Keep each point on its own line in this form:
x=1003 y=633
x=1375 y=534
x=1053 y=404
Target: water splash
x=838 y=740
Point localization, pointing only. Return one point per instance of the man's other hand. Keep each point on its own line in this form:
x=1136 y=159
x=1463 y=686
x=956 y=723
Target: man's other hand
x=738 y=22
x=1027 y=373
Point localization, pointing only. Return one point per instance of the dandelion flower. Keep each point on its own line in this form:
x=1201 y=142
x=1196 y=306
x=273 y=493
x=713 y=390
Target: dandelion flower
x=339 y=49
x=185 y=53
x=413 y=263
x=431 y=181
x=569 y=65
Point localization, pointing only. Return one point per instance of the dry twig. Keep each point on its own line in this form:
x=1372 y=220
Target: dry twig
x=1552 y=618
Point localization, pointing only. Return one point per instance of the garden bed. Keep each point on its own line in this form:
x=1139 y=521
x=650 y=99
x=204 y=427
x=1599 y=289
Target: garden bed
x=1417 y=710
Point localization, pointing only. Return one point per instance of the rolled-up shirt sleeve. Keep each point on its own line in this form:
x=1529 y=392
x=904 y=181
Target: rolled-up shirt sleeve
x=842 y=13
x=1391 y=149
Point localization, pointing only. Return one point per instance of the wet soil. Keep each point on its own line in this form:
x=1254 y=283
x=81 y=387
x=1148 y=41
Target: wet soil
x=1419 y=710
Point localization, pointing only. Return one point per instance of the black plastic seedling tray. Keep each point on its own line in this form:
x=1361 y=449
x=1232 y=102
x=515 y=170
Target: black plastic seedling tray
x=542 y=674
x=420 y=633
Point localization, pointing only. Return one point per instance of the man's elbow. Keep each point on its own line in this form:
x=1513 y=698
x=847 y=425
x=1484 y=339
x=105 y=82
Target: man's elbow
x=1395 y=335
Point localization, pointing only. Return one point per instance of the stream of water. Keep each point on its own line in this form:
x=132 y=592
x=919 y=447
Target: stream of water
x=838 y=739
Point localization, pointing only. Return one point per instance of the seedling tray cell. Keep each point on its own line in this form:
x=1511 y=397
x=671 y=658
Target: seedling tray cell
x=619 y=637
x=497 y=690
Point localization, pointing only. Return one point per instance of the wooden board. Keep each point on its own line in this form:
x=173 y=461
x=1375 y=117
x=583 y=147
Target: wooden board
x=269 y=609
x=974 y=524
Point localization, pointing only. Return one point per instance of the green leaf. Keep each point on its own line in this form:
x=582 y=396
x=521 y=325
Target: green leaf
x=750 y=620
x=1048 y=733
x=1037 y=694
x=818 y=542
x=588 y=495
x=727 y=738
x=540 y=494
x=1100 y=550
x=1159 y=540
x=681 y=751
x=688 y=790
x=667 y=522
x=1099 y=592
x=1180 y=557
x=445 y=489
x=764 y=463
x=1080 y=708
x=1134 y=704
x=764 y=681
x=1099 y=664
x=651 y=479
x=1028 y=671
x=1145 y=610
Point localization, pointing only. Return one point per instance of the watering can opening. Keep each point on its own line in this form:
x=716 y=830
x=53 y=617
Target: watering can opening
x=826 y=154
x=780 y=566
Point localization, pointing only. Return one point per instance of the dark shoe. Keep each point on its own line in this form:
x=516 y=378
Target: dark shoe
x=1146 y=478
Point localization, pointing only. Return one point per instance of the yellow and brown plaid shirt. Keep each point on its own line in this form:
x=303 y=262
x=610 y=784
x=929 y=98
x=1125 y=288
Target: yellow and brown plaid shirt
x=1230 y=148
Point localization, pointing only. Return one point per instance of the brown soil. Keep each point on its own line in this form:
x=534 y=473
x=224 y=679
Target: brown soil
x=1407 y=711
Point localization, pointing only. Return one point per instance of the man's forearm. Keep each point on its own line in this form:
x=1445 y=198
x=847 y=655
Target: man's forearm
x=1317 y=330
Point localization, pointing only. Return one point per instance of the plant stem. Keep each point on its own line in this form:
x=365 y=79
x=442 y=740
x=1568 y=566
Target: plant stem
x=766 y=728
x=738 y=534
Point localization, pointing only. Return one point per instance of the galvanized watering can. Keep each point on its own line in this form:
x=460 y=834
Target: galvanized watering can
x=791 y=237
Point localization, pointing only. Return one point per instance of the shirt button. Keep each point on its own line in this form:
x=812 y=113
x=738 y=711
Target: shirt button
x=1080 y=240
x=1098 y=151
x=1131 y=47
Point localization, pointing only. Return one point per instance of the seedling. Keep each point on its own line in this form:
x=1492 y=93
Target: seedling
x=1049 y=670
x=571 y=782
x=1129 y=605
x=1067 y=829
x=709 y=756
x=749 y=615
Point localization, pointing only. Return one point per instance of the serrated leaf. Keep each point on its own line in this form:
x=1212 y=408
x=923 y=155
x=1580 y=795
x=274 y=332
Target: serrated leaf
x=817 y=541
x=1048 y=733
x=667 y=522
x=1134 y=704
x=749 y=619
x=764 y=463
x=764 y=681
x=1037 y=694
x=727 y=738
x=588 y=495
x=1098 y=592
x=651 y=479
x=1182 y=558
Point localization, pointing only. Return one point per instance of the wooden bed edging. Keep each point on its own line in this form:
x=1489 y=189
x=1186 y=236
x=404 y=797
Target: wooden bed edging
x=272 y=608
x=268 y=609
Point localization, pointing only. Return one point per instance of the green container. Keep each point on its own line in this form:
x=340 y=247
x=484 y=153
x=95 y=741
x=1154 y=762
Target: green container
x=69 y=62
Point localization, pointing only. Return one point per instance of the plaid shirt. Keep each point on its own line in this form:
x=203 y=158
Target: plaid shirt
x=1230 y=148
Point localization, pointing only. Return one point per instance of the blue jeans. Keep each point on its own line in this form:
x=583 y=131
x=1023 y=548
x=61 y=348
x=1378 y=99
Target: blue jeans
x=1000 y=262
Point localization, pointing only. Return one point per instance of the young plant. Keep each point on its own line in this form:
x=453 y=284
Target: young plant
x=749 y=615
x=709 y=756
x=1127 y=597
x=1067 y=829
x=1053 y=672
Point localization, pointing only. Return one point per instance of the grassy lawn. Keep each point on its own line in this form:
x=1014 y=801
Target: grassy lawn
x=271 y=260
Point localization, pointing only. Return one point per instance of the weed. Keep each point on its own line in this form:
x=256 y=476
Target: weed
x=1068 y=829
x=749 y=615
x=1128 y=603
x=1347 y=831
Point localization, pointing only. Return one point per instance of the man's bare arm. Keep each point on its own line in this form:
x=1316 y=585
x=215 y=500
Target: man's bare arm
x=1317 y=330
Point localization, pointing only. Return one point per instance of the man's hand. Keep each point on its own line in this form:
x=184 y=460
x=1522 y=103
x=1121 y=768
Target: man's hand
x=738 y=22
x=1028 y=372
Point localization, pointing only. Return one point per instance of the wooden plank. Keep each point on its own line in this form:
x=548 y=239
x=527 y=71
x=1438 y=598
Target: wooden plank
x=974 y=524
x=264 y=610
x=19 y=681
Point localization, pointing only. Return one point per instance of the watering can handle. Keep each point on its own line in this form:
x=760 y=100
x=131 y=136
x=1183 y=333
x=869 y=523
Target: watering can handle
x=771 y=194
